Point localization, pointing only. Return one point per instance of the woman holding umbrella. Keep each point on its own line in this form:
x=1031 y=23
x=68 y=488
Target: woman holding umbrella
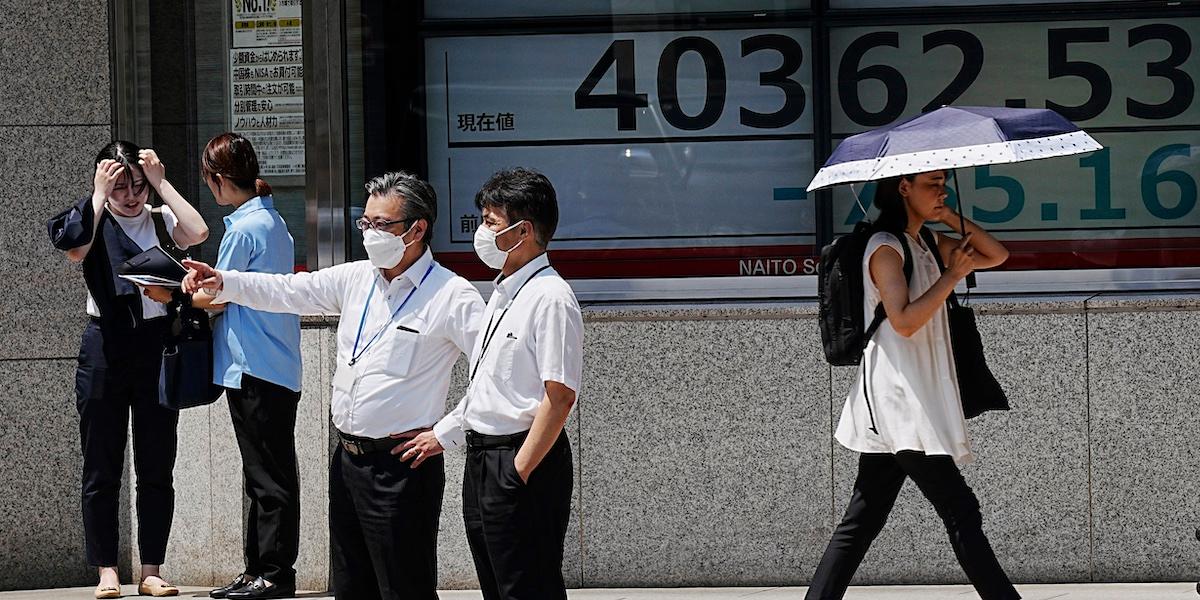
x=905 y=414
x=914 y=425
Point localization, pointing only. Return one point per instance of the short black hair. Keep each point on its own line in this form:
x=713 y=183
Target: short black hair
x=523 y=195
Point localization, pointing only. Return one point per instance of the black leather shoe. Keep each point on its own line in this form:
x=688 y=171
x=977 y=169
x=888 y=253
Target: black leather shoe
x=261 y=588
x=237 y=583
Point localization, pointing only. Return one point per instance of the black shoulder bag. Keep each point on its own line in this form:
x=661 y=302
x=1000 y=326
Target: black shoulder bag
x=185 y=377
x=977 y=387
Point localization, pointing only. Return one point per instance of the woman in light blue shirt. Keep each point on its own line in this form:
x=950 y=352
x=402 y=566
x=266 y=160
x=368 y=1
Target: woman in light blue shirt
x=256 y=358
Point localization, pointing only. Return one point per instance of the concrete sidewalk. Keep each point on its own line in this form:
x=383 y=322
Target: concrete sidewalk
x=1079 y=591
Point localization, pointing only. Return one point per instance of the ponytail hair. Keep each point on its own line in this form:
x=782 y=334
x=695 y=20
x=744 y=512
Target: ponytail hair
x=232 y=157
x=893 y=214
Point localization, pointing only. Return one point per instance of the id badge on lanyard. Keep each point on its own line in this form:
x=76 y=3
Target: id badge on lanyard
x=346 y=377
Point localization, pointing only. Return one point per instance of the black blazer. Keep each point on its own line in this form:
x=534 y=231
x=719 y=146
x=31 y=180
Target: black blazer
x=119 y=300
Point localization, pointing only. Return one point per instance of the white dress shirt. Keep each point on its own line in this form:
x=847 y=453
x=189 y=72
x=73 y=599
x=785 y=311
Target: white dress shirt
x=399 y=381
x=534 y=338
x=912 y=380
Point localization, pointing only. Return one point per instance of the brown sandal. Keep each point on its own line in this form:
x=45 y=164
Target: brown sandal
x=108 y=591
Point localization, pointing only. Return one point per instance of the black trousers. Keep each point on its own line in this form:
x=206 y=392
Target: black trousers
x=264 y=422
x=117 y=374
x=383 y=526
x=880 y=477
x=516 y=530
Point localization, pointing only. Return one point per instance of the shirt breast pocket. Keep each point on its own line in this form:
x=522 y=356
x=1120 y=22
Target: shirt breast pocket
x=404 y=341
x=507 y=349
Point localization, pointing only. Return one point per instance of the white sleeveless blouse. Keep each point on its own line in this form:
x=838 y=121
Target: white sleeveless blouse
x=914 y=400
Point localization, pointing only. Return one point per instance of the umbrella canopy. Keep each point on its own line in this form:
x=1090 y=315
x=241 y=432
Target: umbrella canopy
x=952 y=137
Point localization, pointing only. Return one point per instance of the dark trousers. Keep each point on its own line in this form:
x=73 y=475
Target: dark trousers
x=264 y=422
x=117 y=374
x=516 y=530
x=383 y=526
x=880 y=477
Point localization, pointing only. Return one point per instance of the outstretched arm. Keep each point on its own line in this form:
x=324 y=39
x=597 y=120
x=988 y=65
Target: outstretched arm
x=317 y=293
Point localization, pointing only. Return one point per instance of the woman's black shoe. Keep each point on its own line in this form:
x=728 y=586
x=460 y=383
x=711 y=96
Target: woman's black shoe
x=237 y=583
x=261 y=588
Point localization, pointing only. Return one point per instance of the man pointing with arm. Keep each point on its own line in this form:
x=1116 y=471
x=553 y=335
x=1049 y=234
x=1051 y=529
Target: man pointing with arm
x=404 y=320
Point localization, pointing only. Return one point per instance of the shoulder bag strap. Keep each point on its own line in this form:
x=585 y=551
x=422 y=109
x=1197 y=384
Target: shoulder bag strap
x=931 y=241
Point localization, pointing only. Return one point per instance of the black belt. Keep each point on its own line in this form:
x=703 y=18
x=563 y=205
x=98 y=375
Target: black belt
x=480 y=441
x=360 y=445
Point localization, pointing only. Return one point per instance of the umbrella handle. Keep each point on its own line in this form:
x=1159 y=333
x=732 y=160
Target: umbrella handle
x=962 y=225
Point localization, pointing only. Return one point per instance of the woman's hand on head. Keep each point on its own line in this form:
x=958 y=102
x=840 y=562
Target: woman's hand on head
x=153 y=167
x=962 y=260
x=108 y=171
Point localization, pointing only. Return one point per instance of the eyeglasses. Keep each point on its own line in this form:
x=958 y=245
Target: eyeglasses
x=365 y=223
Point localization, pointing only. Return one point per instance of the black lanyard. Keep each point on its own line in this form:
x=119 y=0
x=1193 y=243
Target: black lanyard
x=490 y=332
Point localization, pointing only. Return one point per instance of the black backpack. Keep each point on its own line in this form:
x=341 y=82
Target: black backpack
x=844 y=334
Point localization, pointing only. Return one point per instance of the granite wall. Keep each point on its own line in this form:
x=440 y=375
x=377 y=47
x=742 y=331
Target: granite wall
x=54 y=116
x=704 y=453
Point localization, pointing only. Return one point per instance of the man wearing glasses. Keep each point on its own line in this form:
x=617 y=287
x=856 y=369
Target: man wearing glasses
x=403 y=321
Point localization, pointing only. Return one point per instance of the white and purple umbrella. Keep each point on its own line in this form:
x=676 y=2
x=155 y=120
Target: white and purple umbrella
x=952 y=137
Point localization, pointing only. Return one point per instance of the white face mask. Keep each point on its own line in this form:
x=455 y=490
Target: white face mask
x=385 y=249
x=486 y=248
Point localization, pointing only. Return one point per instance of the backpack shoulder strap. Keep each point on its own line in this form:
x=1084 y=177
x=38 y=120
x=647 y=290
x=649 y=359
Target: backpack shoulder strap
x=908 y=266
x=160 y=231
x=931 y=241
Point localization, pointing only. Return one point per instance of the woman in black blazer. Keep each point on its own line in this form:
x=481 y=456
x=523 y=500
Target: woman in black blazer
x=120 y=355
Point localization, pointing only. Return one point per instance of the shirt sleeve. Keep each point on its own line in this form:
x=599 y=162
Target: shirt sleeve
x=558 y=342
x=449 y=431
x=73 y=227
x=235 y=252
x=466 y=315
x=316 y=293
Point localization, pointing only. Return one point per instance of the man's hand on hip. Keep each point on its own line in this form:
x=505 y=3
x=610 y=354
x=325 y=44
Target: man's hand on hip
x=421 y=445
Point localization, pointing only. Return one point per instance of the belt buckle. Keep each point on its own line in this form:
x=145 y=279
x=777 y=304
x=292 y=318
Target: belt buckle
x=352 y=447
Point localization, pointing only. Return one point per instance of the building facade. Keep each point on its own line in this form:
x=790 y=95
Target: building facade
x=680 y=135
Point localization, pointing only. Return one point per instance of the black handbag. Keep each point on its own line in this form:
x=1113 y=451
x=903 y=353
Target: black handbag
x=185 y=378
x=977 y=387
x=186 y=374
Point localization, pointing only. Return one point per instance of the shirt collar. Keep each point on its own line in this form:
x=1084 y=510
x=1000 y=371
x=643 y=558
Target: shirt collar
x=414 y=273
x=247 y=207
x=516 y=280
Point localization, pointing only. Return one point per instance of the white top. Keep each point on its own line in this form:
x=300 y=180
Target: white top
x=532 y=340
x=912 y=381
x=401 y=379
x=140 y=229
